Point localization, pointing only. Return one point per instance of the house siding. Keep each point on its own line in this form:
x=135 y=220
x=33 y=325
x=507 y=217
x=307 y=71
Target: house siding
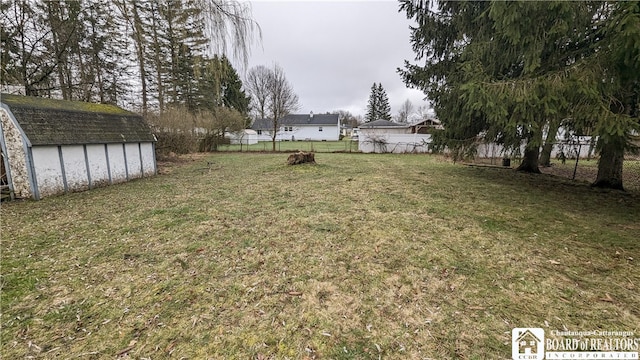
x=308 y=133
x=300 y=127
x=312 y=132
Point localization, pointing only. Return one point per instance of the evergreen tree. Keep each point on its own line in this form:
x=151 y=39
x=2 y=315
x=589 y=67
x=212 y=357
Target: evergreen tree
x=553 y=57
x=234 y=95
x=372 y=105
x=469 y=83
x=105 y=71
x=378 y=106
x=218 y=84
x=384 y=110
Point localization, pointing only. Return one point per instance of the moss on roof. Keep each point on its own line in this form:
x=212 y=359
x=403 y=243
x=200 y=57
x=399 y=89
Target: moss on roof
x=58 y=122
x=64 y=105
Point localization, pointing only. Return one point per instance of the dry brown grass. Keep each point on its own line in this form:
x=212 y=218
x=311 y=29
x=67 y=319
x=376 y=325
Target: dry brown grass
x=238 y=256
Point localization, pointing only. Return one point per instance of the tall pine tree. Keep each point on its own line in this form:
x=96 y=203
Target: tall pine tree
x=553 y=58
x=384 y=110
x=378 y=106
x=372 y=105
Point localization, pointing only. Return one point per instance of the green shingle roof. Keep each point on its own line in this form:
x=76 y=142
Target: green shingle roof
x=60 y=122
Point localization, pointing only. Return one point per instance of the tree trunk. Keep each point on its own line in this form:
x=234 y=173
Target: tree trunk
x=545 y=155
x=157 y=53
x=274 y=134
x=610 y=167
x=56 y=22
x=531 y=154
x=140 y=46
x=530 y=160
x=273 y=142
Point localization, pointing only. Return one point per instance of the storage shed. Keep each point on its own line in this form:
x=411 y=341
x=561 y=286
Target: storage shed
x=53 y=146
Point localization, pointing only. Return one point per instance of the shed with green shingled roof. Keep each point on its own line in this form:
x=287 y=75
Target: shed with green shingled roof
x=54 y=146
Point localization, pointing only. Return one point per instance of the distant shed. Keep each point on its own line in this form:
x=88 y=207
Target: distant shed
x=53 y=146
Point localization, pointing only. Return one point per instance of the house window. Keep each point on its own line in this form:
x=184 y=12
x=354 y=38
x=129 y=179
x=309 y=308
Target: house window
x=320 y=128
x=288 y=128
x=259 y=132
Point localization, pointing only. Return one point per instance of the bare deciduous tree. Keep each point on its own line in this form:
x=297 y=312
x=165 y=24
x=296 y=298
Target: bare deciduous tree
x=257 y=82
x=405 y=112
x=346 y=118
x=281 y=99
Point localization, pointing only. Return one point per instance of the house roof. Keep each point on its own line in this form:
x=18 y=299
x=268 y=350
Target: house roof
x=381 y=124
x=426 y=121
x=59 y=122
x=298 y=120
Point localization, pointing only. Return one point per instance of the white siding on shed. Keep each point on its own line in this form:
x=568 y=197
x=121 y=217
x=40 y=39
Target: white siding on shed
x=49 y=172
x=148 y=159
x=75 y=167
x=116 y=163
x=46 y=162
x=132 y=152
x=98 y=169
x=56 y=146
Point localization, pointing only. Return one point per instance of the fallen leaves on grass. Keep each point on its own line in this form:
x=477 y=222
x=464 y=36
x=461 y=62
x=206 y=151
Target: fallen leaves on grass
x=132 y=344
x=607 y=298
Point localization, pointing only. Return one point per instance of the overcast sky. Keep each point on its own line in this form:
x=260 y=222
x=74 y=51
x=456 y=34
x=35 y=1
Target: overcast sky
x=333 y=51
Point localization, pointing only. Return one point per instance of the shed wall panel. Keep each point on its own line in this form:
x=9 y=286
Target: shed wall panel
x=116 y=163
x=133 y=160
x=46 y=163
x=97 y=165
x=148 y=159
x=75 y=167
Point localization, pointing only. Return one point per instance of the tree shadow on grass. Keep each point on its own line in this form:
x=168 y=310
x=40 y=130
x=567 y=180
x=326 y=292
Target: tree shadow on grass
x=562 y=194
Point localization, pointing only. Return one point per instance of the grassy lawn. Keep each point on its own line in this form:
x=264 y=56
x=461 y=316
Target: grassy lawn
x=357 y=257
x=345 y=145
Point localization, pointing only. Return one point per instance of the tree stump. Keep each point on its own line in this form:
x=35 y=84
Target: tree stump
x=301 y=157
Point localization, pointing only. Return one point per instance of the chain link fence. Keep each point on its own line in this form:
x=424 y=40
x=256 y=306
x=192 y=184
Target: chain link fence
x=289 y=146
x=571 y=160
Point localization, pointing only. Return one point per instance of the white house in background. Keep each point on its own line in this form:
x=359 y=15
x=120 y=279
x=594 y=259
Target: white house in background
x=383 y=136
x=54 y=146
x=245 y=137
x=300 y=127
